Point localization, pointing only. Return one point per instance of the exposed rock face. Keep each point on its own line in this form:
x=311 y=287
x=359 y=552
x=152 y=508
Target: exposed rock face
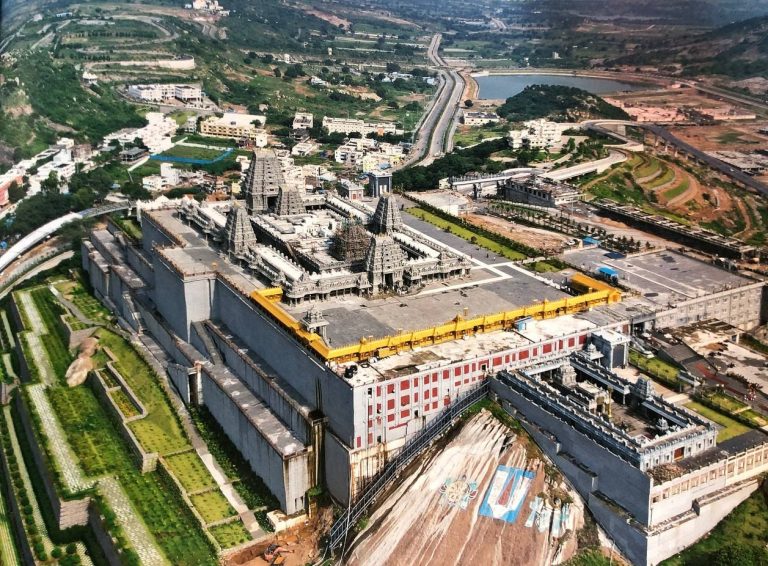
x=83 y=364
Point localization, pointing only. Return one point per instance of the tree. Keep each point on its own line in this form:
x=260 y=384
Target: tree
x=468 y=103
x=277 y=72
x=16 y=192
x=51 y=184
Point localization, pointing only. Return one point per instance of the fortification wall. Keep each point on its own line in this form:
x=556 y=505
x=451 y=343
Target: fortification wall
x=286 y=411
x=315 y=382
x=287 y=479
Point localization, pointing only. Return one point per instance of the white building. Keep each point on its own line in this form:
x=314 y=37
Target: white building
x=160 y=92
x=303 y=121
x=156 y=135
x=480 y=118
x=537 y=134
x=303 y=149
x=348 y=126
x=237 y=126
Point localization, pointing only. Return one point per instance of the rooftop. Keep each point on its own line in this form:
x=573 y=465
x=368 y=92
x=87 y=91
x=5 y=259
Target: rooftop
x=661 y=277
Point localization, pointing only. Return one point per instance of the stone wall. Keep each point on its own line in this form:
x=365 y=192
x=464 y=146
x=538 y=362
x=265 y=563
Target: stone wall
x=147 y=462
x=68 y=512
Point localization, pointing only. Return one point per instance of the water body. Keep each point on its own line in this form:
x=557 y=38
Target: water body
x=504 y=86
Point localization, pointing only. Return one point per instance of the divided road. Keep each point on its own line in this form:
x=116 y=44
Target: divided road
x=432 y=132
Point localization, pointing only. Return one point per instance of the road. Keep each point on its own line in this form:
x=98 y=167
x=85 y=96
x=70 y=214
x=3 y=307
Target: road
x=438 y=119
x=36 y=236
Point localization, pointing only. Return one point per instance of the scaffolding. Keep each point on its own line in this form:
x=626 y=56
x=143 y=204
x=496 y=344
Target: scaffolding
x=350 y=242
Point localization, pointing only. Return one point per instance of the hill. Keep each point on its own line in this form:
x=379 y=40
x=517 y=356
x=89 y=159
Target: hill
x=738 y=50
x=559 y=103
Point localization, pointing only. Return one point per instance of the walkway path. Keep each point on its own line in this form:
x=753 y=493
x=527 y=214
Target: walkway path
x=65 y=459
x=135 y=530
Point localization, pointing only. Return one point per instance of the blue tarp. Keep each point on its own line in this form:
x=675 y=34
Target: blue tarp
x=609 y=271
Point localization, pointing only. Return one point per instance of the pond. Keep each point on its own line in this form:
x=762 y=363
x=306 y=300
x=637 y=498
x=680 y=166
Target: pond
x=504 y=86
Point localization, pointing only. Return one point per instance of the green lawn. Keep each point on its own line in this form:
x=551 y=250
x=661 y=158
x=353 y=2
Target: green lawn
x=654 y=366
x=212 y=506
x=193 y=152
x=650 y=166
x=230 y=534
x=466 y=233
x=726 y=402
x=665 y=177
x=745 y=529
x=159 y=431
x=190 y=471
x=730 y=428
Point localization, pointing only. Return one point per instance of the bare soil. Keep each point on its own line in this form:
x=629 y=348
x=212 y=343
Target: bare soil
x=529 y=236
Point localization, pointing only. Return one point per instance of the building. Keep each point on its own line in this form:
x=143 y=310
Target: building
x=694 y=236
x=302 y=149
x=323 y=334
x=651 y=473
x=379 y=183
x=156 y=135
x=537 y=134
x=303 y=121
x=350 y=190
x=236 y=126
x=161 y=92
x=348 y=126
x=539 y=191
x=352 y=151
x=133 y=154
x=480 y=118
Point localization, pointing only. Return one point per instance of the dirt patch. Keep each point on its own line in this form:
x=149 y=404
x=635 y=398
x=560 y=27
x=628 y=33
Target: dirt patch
x=444 y=511
x=301 y=544
x=534 y=237
x=332 y=19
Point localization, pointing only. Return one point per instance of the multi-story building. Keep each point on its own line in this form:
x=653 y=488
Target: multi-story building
x=539 y=191
x=651 y=473
x=236 y=126
x=160 y=92
x=537 y=134
x=323 y=333
x=349 y=126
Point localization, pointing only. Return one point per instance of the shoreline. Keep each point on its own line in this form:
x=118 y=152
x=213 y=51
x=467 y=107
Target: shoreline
x=630 y=78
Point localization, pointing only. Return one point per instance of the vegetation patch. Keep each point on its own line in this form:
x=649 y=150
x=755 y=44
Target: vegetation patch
x=212 y=506
x=730 y=427
x=230 y=534
x=738 y=540
x=467 y=234
x=190 y=471
x=160 y=430
x=558 y=103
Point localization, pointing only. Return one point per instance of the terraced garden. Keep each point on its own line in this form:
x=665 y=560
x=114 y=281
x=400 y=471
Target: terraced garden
x=160 y=430
x=212 y=506
x=85 y=302
x=190 y=471
x=230 y=534
x=95 y=449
